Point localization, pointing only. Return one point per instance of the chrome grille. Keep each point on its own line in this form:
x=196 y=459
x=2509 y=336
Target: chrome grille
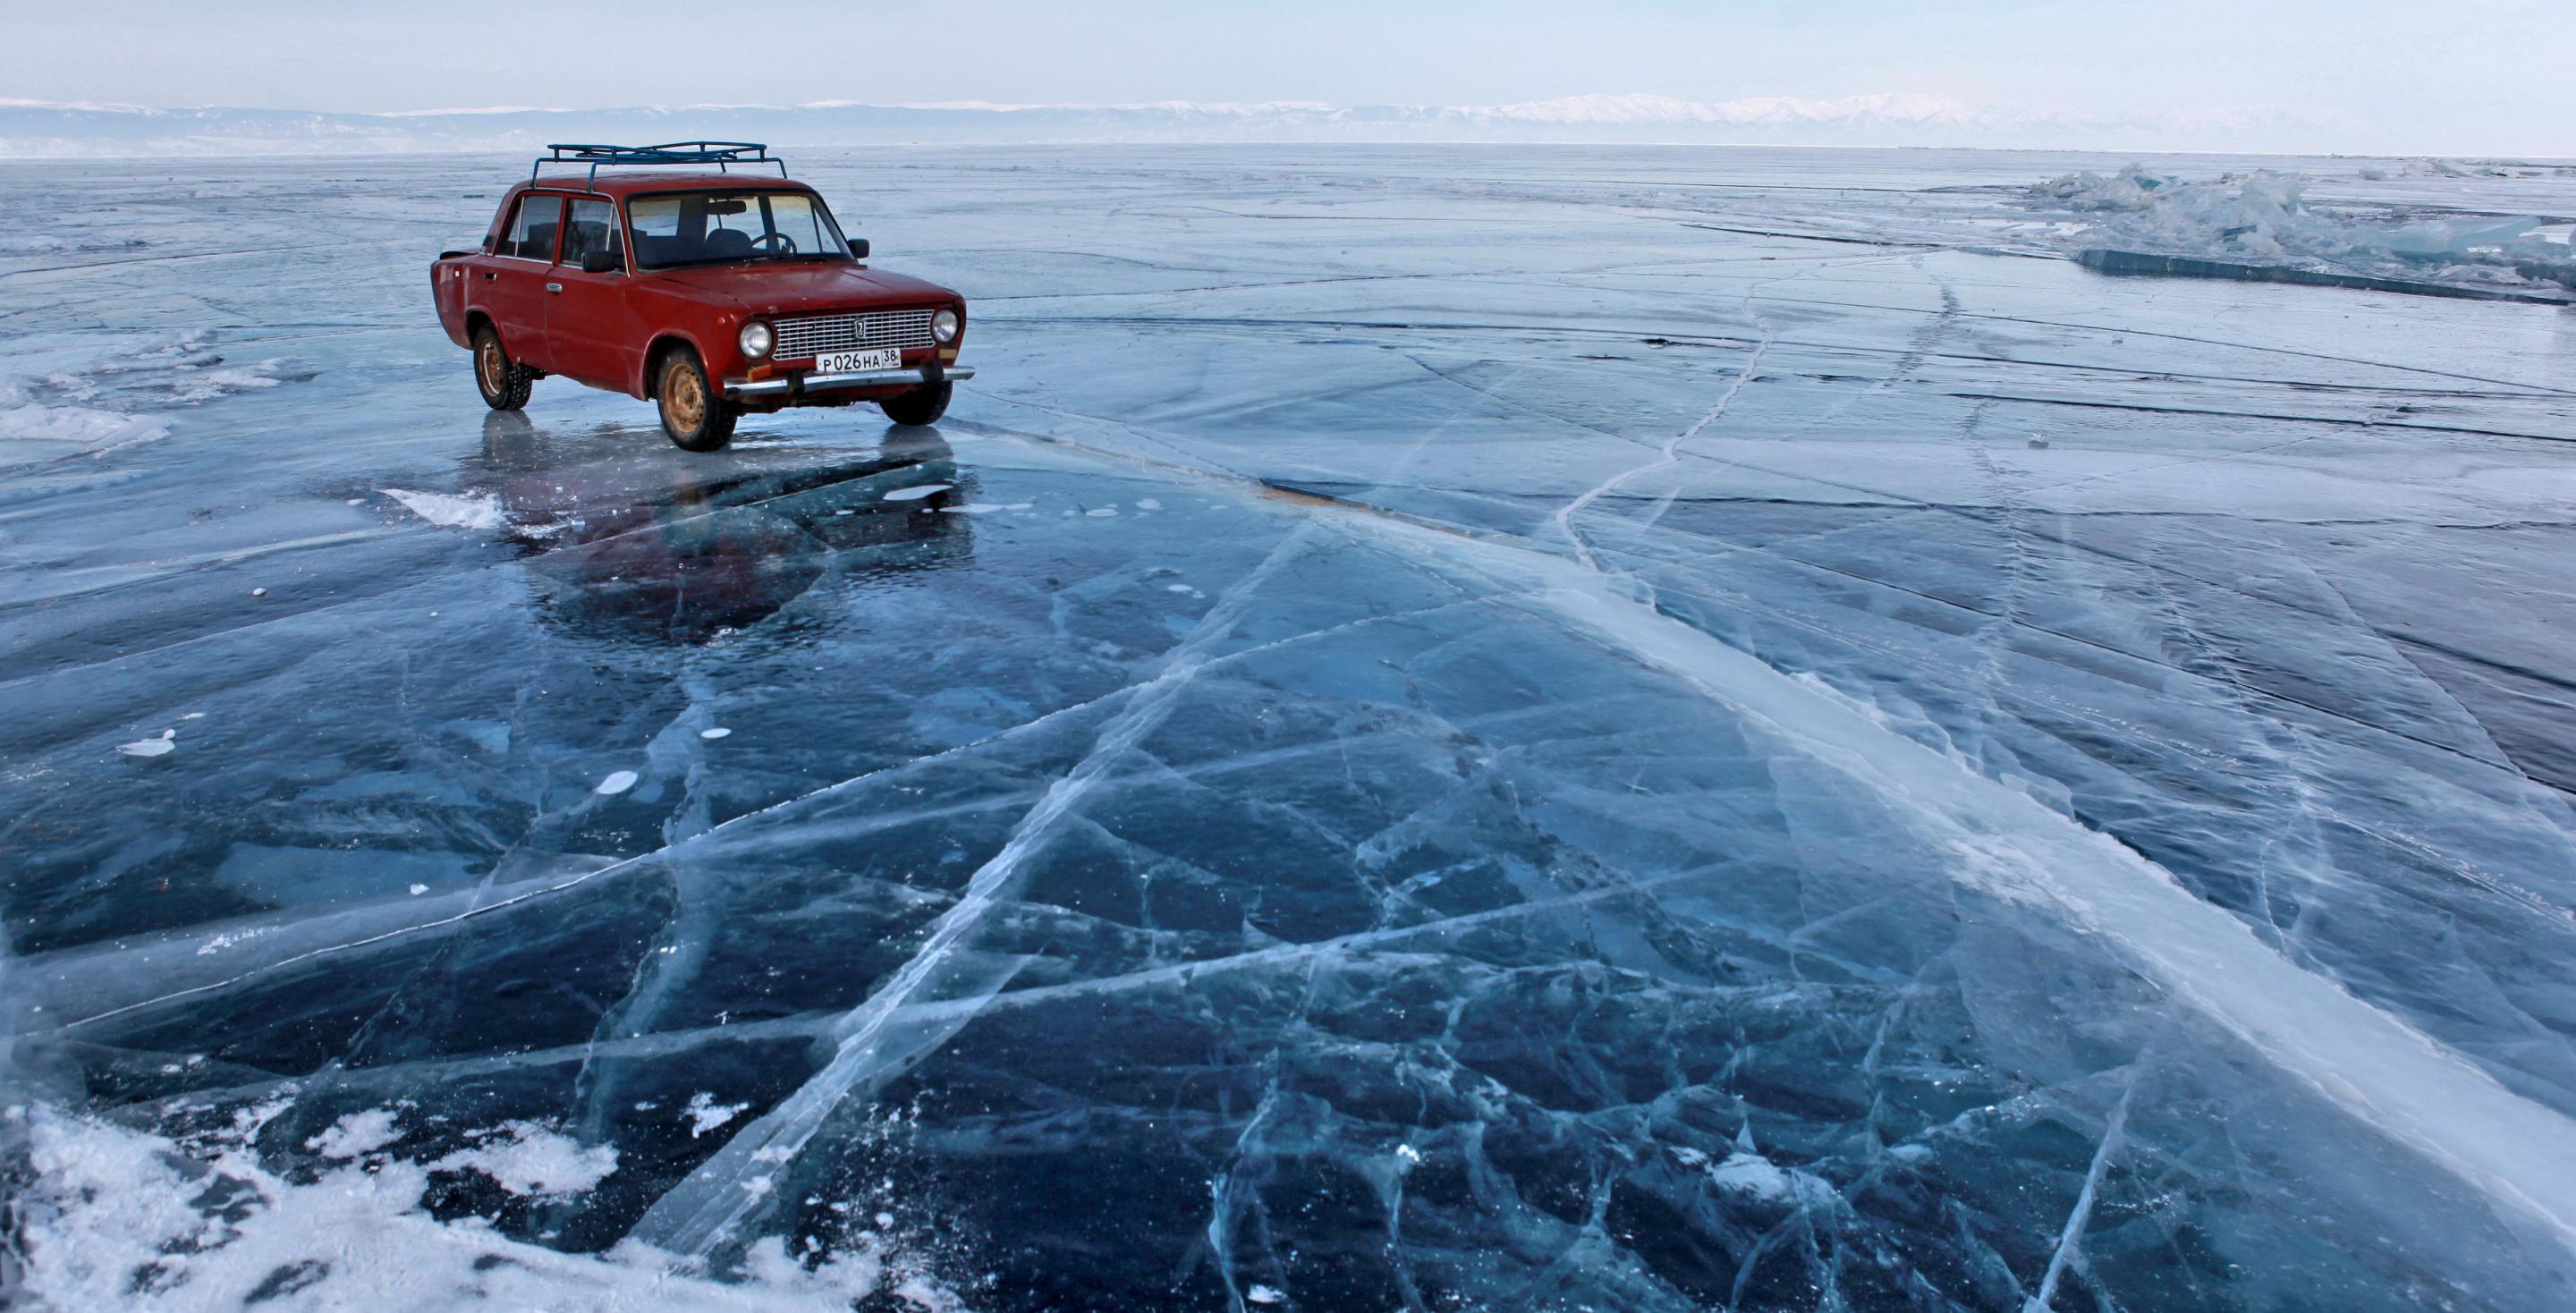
x=804 y=336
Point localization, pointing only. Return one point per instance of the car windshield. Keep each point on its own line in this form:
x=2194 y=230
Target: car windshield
x=721 y=227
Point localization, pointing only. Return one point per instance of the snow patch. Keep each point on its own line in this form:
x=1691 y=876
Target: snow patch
x=918 y=491
x=125 y=1220
x=221 y=942
x=705 y=1114
x=529 y=1160
x=356 y=1134
x=206 y=384
x=1747 y=1174
x=618 y=781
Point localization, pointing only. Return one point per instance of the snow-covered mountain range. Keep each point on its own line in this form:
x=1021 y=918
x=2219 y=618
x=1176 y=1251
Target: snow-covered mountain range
x=36 y=128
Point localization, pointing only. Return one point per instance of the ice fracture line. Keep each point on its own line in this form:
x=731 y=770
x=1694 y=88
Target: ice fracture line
x=1672 y=450
x=875 y=1041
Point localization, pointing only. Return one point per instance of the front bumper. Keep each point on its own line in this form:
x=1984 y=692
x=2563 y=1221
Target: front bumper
x=797 y=385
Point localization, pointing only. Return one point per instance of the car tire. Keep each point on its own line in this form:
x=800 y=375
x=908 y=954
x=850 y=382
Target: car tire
x=503 y=382
x=692 y=413
x=922 y=405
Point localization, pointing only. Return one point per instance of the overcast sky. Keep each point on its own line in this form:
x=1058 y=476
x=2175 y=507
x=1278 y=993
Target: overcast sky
x=2485 y=74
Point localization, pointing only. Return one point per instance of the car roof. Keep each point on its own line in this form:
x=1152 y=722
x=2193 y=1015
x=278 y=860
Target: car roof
x=630 y=184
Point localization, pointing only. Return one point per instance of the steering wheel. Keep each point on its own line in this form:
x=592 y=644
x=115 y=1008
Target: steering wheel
x=786 y=244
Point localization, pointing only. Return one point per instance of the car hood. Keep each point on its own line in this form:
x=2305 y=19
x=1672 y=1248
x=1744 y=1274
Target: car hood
x=773 y=289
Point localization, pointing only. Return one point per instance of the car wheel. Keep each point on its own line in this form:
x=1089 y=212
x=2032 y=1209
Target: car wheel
x=696 y=418
x=504 y=382
x=922 y=405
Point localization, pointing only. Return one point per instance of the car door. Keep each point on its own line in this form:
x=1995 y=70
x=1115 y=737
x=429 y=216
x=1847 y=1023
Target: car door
x=514 y=278
x=589 y=328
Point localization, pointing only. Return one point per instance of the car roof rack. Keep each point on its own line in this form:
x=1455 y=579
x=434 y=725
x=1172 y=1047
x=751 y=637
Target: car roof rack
x=722 y=154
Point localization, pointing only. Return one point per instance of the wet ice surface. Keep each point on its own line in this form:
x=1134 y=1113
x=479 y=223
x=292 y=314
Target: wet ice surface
x=1485 y=727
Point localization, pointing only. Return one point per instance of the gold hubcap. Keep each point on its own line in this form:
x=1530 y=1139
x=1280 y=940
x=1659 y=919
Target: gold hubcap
x=684 y=400
x=488 y=359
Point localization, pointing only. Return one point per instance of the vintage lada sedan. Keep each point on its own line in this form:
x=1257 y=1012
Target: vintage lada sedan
x=712 y=291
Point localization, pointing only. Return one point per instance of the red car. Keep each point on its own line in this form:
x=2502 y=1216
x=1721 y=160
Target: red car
x=713 y=293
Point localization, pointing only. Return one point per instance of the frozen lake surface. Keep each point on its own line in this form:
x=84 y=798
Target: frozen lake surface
x=1474 y=727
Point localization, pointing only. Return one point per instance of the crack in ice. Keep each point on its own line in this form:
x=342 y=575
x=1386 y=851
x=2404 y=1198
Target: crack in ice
x=704 y=1211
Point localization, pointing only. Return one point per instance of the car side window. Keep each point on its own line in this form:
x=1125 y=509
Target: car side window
x=656 y=220
x=531 y=234
x=591 y=226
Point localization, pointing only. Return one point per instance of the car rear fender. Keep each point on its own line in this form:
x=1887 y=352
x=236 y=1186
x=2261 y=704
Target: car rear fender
x=447 y=292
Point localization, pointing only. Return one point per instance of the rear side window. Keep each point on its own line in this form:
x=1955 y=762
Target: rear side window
x=531 y=234
x=591 y=226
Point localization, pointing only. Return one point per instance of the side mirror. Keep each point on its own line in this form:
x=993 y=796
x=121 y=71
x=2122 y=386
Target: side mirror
x=858 y=248
x=602 y=262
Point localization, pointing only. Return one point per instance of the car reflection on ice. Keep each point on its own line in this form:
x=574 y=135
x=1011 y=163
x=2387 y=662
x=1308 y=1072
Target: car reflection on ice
x=641 y=547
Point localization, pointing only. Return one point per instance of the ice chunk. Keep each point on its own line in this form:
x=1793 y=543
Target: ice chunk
x=2459 y=239
x=160 y=747
x=450 y=510
x=2262 y=226
x=917 y=491
x=79 y=427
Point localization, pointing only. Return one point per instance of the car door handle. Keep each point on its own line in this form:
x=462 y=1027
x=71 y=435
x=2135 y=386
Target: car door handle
x=554 y=287
x=491 y=277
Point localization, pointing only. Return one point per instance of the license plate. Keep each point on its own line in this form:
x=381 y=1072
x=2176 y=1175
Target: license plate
x=852 y=362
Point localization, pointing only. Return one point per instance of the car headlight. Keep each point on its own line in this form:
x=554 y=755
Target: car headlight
x=944 y=325
x=757 y=340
